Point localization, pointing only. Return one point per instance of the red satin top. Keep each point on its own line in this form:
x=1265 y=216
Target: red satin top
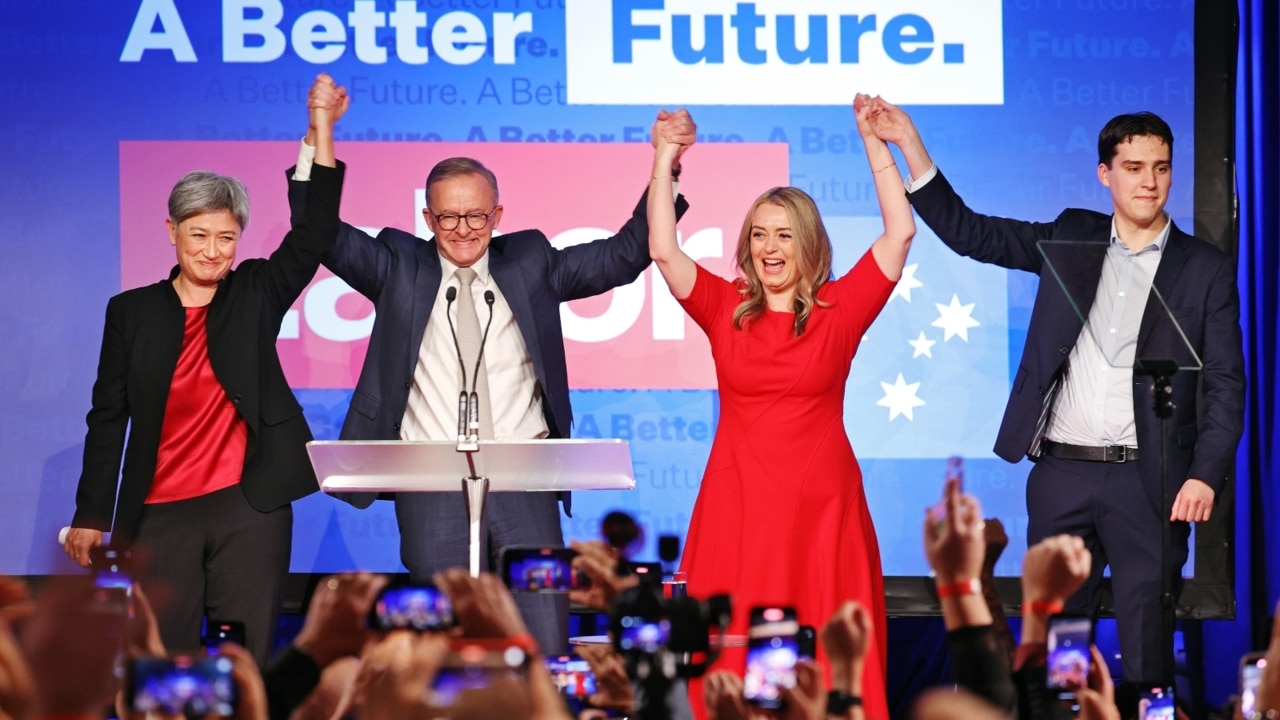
x=202 y=440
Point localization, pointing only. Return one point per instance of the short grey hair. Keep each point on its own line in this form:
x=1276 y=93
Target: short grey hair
x=202 y=191
x=455 y=166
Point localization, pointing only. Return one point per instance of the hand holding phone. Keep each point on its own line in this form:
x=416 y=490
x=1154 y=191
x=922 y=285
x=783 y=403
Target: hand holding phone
x=472 y=667
x=1156 y=704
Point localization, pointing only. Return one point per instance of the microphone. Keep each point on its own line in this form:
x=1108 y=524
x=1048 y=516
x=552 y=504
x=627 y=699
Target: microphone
x=475 y=401
x=450 y=295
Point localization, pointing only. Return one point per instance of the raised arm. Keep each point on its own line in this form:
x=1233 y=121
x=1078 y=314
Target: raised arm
x=677 y=268
x=890 y=249
x=892 y=125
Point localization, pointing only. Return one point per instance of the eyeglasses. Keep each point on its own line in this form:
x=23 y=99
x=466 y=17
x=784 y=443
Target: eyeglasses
x=475 y=221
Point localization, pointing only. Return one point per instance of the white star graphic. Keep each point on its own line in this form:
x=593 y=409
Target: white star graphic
x=923 y=346
x=906 y=283
x=955 y=319
x=900 y=398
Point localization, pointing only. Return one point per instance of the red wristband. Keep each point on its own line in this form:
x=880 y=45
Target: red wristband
x=972 y=586
x=1042 y=607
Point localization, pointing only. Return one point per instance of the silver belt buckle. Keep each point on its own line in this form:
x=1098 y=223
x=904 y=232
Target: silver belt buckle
x=1121 y=453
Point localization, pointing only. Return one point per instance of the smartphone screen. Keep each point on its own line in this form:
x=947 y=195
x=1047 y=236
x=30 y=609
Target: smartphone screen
x=112 y=579
x=217 y=632
x=645 y=635
x=194 y=686
x=572 y=676
x=541 y=570
x=475 y=668
x=1156 y=704
x=1251 y=667
x=773 y=648
x=1068 y=662
x=411 y=607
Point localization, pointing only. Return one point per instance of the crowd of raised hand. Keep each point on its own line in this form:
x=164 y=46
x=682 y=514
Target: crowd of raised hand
x=62 y=649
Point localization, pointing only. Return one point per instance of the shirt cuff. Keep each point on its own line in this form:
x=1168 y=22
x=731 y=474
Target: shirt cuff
x=913 y=184
x=306 y=158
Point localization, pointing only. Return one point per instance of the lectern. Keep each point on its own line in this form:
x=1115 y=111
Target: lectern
x=492 y=466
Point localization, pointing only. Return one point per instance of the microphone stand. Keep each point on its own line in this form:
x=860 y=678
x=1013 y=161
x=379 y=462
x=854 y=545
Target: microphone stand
x=475 y=488
x=1161 y=372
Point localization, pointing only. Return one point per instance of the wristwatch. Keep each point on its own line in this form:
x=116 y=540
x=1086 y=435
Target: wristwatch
x=839 y=702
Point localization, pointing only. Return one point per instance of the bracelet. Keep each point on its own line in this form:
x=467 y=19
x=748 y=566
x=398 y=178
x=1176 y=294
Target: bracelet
x=886 y=167
x=661 y=177
x=839 y=702
x=972 y=586
x=1042 y=607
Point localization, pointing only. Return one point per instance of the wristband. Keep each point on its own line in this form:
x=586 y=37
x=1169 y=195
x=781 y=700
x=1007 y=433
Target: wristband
x=523 y=641
x=1042 y=607
x=972 y=586
x=839 y=702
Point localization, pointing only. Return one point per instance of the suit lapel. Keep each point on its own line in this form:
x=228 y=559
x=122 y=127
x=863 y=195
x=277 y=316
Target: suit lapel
x=426 y=285
x=1172 y=261
x=506 y=273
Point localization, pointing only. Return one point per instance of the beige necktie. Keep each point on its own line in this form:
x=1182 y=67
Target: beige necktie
x=469 y=345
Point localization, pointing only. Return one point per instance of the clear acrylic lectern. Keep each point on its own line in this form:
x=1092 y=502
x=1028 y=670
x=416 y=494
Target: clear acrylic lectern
x=496 y=466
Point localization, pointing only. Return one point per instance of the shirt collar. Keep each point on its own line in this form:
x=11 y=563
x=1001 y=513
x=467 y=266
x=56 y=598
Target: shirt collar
x=481 y=266
x=1157 y=244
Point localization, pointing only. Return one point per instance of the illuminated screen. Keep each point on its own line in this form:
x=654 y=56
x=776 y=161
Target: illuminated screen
x=117 y=100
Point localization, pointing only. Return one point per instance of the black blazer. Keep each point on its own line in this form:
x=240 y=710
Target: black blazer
x=401 y=274
x=140 y=348
x=1196 y=280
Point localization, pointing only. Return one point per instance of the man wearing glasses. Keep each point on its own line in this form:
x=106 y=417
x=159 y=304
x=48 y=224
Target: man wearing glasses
x=426 y=291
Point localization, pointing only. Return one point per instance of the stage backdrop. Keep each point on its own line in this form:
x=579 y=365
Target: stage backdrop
x=107 y=104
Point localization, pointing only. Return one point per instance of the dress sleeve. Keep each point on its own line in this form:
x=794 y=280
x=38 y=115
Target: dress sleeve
x=711 y=298
x=861 y=293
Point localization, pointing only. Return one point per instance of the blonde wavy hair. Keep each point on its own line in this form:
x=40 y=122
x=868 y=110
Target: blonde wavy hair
x=812 y=255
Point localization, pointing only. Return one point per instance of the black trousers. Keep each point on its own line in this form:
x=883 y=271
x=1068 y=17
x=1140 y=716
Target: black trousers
x=1105 y=504
x=216 y=557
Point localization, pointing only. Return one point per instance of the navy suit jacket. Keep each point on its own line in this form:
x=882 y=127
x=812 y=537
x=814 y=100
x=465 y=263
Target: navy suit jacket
x=400 y=273
x=1197 y=282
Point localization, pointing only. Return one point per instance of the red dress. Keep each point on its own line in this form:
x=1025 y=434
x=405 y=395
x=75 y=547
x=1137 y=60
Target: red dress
x=781 y=517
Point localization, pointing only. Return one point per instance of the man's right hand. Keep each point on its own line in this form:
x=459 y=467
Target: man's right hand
x=79 y=542
x=335 y=622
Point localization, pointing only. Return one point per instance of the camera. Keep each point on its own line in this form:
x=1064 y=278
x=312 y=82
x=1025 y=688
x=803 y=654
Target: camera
x=541 y=570
x=644 y=625
x=411 y=607
x=184 y=684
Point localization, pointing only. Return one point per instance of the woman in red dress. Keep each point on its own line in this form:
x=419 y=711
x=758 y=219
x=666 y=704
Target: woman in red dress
x=781 y=516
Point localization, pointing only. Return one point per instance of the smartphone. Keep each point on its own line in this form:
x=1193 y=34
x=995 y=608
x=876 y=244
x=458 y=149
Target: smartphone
x=541 y=570
x=642 y=635
x=112 y=578
x=217 y=632
x=955 y=469
x=1068 y=664
x=807 y=642
x=1251 y=667
x=1156 y=704
x=411 y=607
x=184 y=684
x=471 y=667
x=773 y=648
x=572 y=676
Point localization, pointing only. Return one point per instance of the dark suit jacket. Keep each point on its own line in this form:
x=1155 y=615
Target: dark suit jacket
x=140 y=348
x=1195 y=279
x=401 y=274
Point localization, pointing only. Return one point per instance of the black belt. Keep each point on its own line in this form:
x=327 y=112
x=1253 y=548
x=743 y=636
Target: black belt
x=1104 y=453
